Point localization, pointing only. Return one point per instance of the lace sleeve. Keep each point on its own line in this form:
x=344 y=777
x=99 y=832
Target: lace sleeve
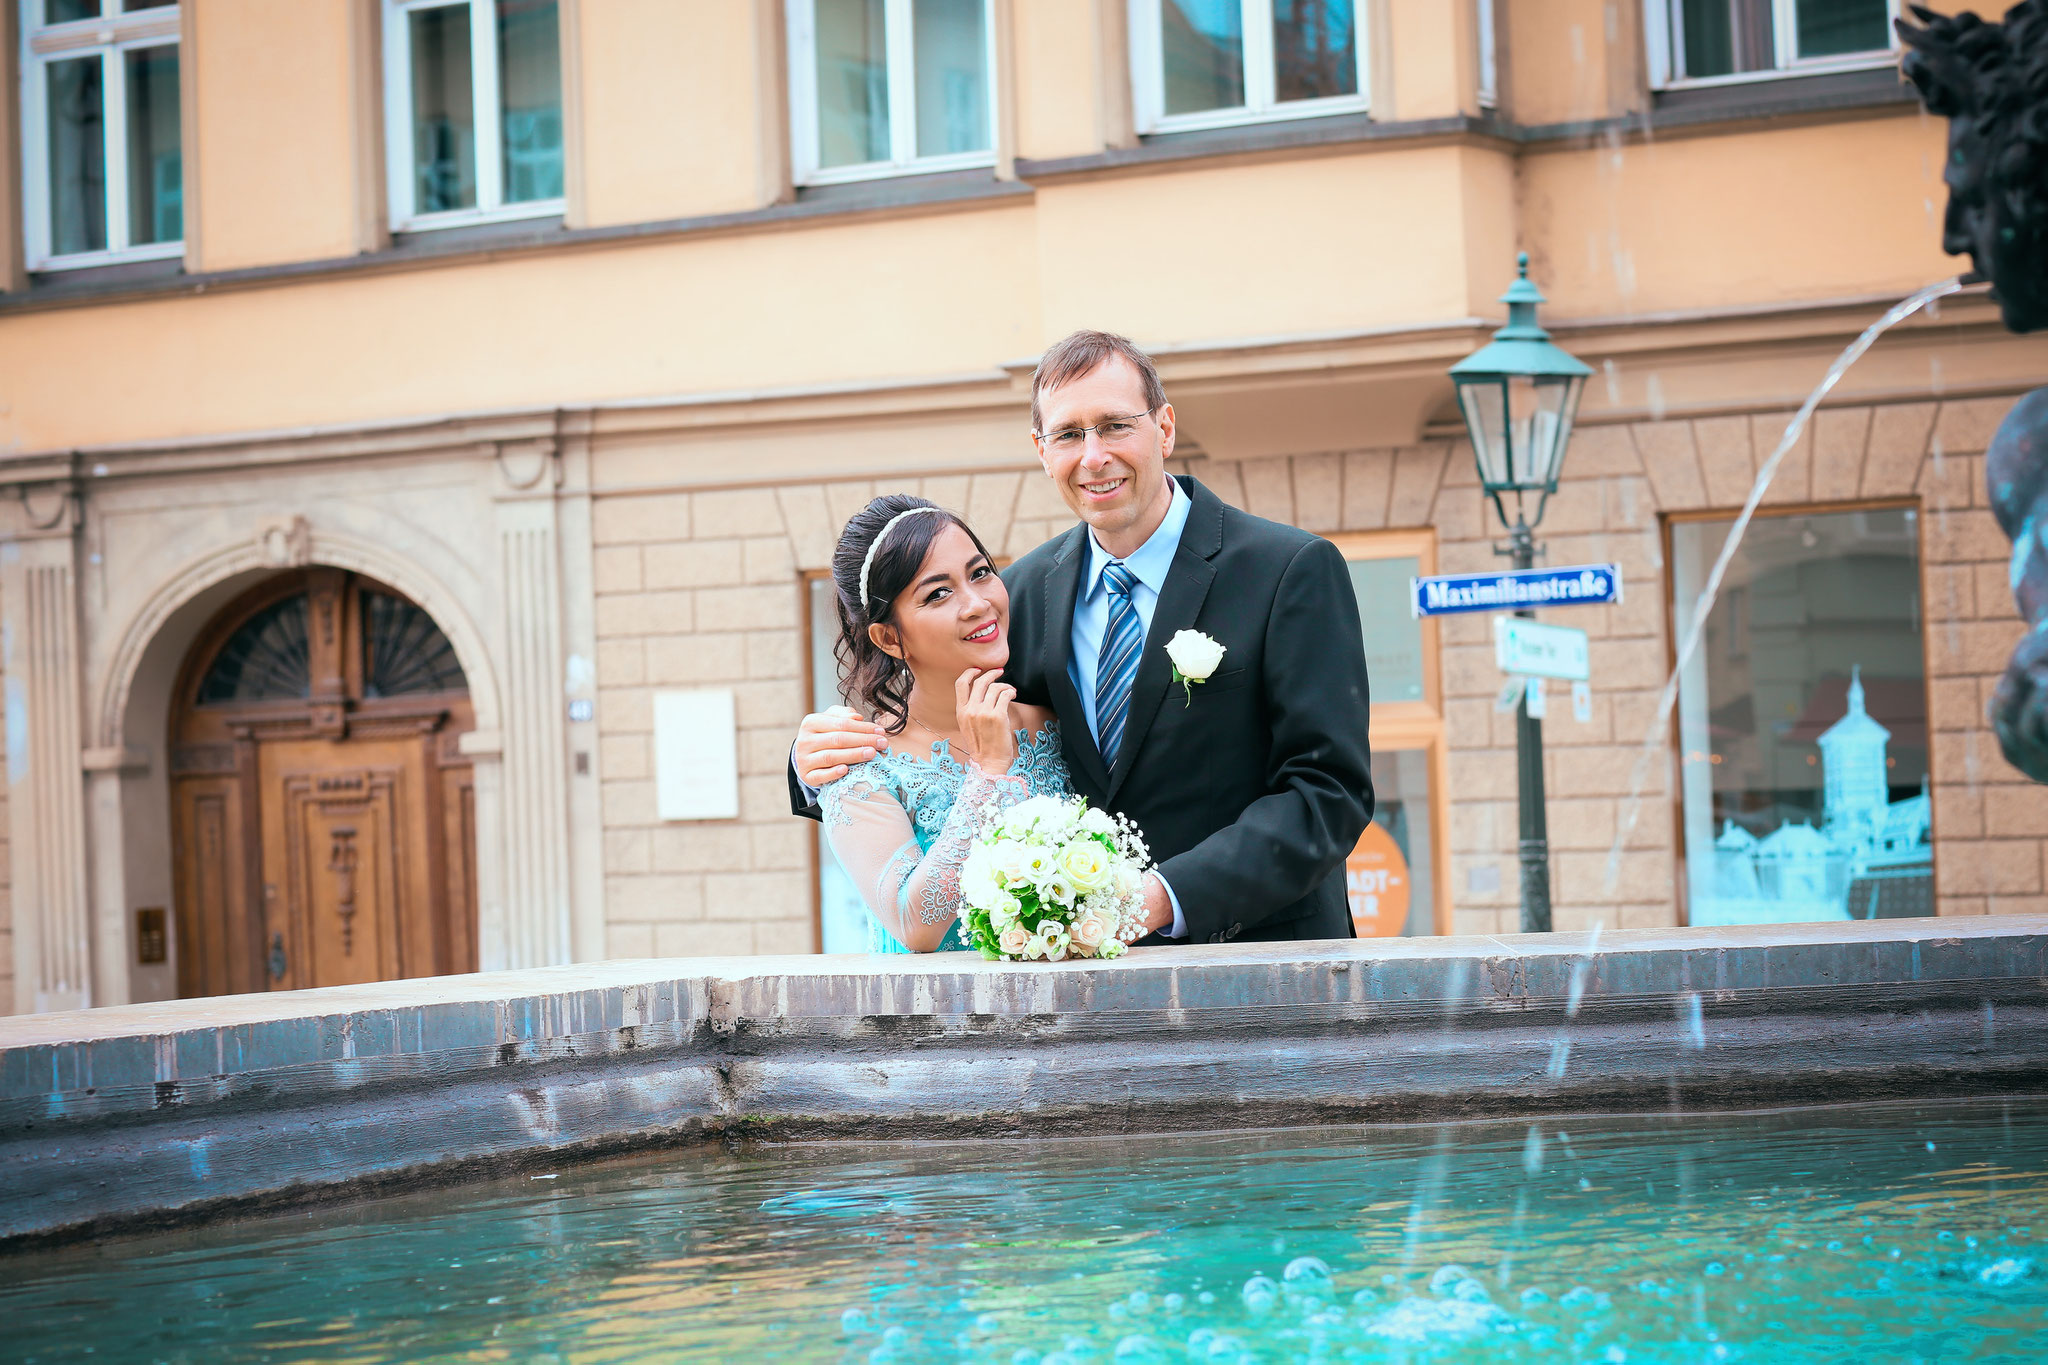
x=912 y=895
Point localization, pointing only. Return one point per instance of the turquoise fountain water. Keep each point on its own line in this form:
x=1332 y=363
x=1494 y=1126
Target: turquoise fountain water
x=1879 y=1233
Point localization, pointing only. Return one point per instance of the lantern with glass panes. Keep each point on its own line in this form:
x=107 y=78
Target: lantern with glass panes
x=1520 y=394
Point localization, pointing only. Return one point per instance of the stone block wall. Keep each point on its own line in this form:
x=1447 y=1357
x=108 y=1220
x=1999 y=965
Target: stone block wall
x=699 y=589
x=1990 y=823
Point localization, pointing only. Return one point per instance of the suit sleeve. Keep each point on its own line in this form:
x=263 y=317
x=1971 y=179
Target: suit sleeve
x=802 y=800
x=1319 y=766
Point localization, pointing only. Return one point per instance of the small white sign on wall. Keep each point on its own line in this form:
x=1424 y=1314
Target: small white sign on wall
x=696 y=755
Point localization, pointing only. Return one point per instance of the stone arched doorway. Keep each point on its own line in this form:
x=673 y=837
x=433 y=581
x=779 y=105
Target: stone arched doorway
x=323 y=816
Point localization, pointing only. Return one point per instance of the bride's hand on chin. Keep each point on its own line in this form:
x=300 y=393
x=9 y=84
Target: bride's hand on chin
x=981 y=708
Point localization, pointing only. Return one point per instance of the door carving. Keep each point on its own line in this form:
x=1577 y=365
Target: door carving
x=323 y=815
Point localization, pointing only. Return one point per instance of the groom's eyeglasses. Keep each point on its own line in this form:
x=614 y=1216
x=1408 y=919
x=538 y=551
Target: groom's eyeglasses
x=1112 y=431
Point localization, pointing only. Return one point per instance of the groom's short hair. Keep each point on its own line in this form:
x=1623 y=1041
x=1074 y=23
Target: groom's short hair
x=1079 y=354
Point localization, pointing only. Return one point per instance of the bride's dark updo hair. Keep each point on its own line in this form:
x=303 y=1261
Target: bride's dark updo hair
x=871 y=679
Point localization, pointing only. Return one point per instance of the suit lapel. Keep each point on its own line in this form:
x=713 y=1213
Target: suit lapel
x=1062 y=588
x=1180 y=604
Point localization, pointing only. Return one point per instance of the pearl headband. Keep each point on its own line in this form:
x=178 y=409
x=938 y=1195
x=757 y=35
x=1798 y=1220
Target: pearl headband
x=876 y=544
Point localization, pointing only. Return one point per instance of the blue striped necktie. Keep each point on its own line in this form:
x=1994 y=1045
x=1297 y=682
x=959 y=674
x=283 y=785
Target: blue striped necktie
x=1118 y=665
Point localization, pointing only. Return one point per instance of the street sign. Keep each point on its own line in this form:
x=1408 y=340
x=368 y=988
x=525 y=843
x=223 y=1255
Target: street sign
x=1539 y=651
x=1577 y=585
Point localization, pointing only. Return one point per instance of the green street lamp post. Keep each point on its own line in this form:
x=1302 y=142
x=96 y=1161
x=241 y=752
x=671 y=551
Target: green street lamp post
x=1520 y=394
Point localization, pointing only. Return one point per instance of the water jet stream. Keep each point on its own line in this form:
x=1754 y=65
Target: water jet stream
x=1660 y=721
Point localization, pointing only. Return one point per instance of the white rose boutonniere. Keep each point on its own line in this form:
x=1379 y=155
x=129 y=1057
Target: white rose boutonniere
x=1195 y=657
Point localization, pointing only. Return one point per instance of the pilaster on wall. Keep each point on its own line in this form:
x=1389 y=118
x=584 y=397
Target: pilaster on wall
x=53 y=951
x=535 y=928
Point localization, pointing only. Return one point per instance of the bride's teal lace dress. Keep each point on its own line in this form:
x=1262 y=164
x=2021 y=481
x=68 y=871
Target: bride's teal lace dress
x=901 y=826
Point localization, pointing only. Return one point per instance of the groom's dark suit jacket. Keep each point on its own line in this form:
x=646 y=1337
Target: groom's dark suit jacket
x=1252 y=791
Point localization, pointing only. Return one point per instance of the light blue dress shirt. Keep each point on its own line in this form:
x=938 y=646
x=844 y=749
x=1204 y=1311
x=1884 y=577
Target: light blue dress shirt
x=1149 y=564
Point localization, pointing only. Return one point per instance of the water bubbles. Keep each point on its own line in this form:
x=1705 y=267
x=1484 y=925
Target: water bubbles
x=1198 y=1342
x=1446 y=1277
x=1205 y=1298
x=1614 y=1355
x=1716 y=1268
x=2007 y=1270
x=1930 y=1146
x=1365 y=1298
x=1024 y=1355
x=853 y=1322
x=1139 y=1350
x=1139 y=1301
x=1260 y=1294
x=896 y=1336
x=1471 y=1291
x=1173 y=1303
x=1225 y=1350
x=1306 y=1283
x=1416 y=1321
x=1533 y=1297
x=1118 y=1312
x=1585 y=1184
x=987 y=1322
x=1582 y=1300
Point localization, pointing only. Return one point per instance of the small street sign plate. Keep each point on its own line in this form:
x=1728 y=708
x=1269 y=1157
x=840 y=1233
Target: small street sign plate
x=1575 y=585
x=1540 y=651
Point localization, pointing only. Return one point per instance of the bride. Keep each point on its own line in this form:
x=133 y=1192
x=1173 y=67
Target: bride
x=923 y=640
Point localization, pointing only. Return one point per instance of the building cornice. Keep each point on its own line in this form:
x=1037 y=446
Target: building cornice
x=1207 y=369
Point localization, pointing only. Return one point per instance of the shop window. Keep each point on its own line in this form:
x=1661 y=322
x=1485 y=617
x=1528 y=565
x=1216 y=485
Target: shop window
x=1704 y=41
x=1398 y=875
x=890 y=87
x=1802 y=721
x=1211 y=63
x=102 y=145
x=473 y=110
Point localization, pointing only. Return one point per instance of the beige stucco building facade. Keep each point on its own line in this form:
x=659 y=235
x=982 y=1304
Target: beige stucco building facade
x=604 y=436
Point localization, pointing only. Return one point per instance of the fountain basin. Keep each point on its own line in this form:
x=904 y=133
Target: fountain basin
x=157 y=1113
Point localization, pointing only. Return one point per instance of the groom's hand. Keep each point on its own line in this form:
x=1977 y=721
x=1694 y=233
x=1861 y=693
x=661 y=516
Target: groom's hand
x=830 y=742
x=1158 y=905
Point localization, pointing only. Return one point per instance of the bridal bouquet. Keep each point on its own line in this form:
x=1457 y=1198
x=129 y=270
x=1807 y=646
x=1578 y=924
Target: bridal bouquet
x=1053 y=879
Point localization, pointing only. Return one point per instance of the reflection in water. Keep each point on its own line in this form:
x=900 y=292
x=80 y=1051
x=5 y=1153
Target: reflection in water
x=1890 y=1231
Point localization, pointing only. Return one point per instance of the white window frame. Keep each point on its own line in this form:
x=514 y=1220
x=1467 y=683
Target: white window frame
x=110 y=37
x=1489 y=55
x=1148 y=75
x=1664 y=36
x=484 y=112
x=900 y=53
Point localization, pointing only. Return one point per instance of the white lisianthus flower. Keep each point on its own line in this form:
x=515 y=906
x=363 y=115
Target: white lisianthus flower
x=1091 y=931
x=1055 y=937
x=1046 y=814
x=978 y=885
x=1013 y=940
x=1035 y=945
x=1110 y=949
x=1059 y=887
x=1086 y=864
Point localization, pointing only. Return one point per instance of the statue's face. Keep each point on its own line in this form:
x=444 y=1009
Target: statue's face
x=2005 y=251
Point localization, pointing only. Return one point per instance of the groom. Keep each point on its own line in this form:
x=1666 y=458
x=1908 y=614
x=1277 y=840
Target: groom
x=1252 y=785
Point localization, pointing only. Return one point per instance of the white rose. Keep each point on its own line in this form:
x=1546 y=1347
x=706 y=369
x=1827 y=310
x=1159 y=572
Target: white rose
x=1086 y=864
x=1013 y=940
x=1194 y=655
x=1129 y=881
x=1090 y=931
x=1012 y=859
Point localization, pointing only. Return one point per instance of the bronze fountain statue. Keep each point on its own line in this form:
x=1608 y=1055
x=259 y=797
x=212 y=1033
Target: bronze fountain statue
x=1990 y=80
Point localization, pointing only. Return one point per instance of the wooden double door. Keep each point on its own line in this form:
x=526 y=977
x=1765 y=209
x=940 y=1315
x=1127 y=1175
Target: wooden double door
x=323 y=816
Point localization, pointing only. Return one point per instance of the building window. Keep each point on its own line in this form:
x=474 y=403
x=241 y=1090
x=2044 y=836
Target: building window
x=1398 y=876
x=1803 y=721
x=1211 y=63
x=1706 y=41
x=890 y=87
x=102 y=150
x=473 y=110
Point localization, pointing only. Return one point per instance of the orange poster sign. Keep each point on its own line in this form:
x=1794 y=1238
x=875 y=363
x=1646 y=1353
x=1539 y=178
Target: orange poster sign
x=1376 y=879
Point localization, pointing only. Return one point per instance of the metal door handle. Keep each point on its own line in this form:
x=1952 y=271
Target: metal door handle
x=277 y=962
